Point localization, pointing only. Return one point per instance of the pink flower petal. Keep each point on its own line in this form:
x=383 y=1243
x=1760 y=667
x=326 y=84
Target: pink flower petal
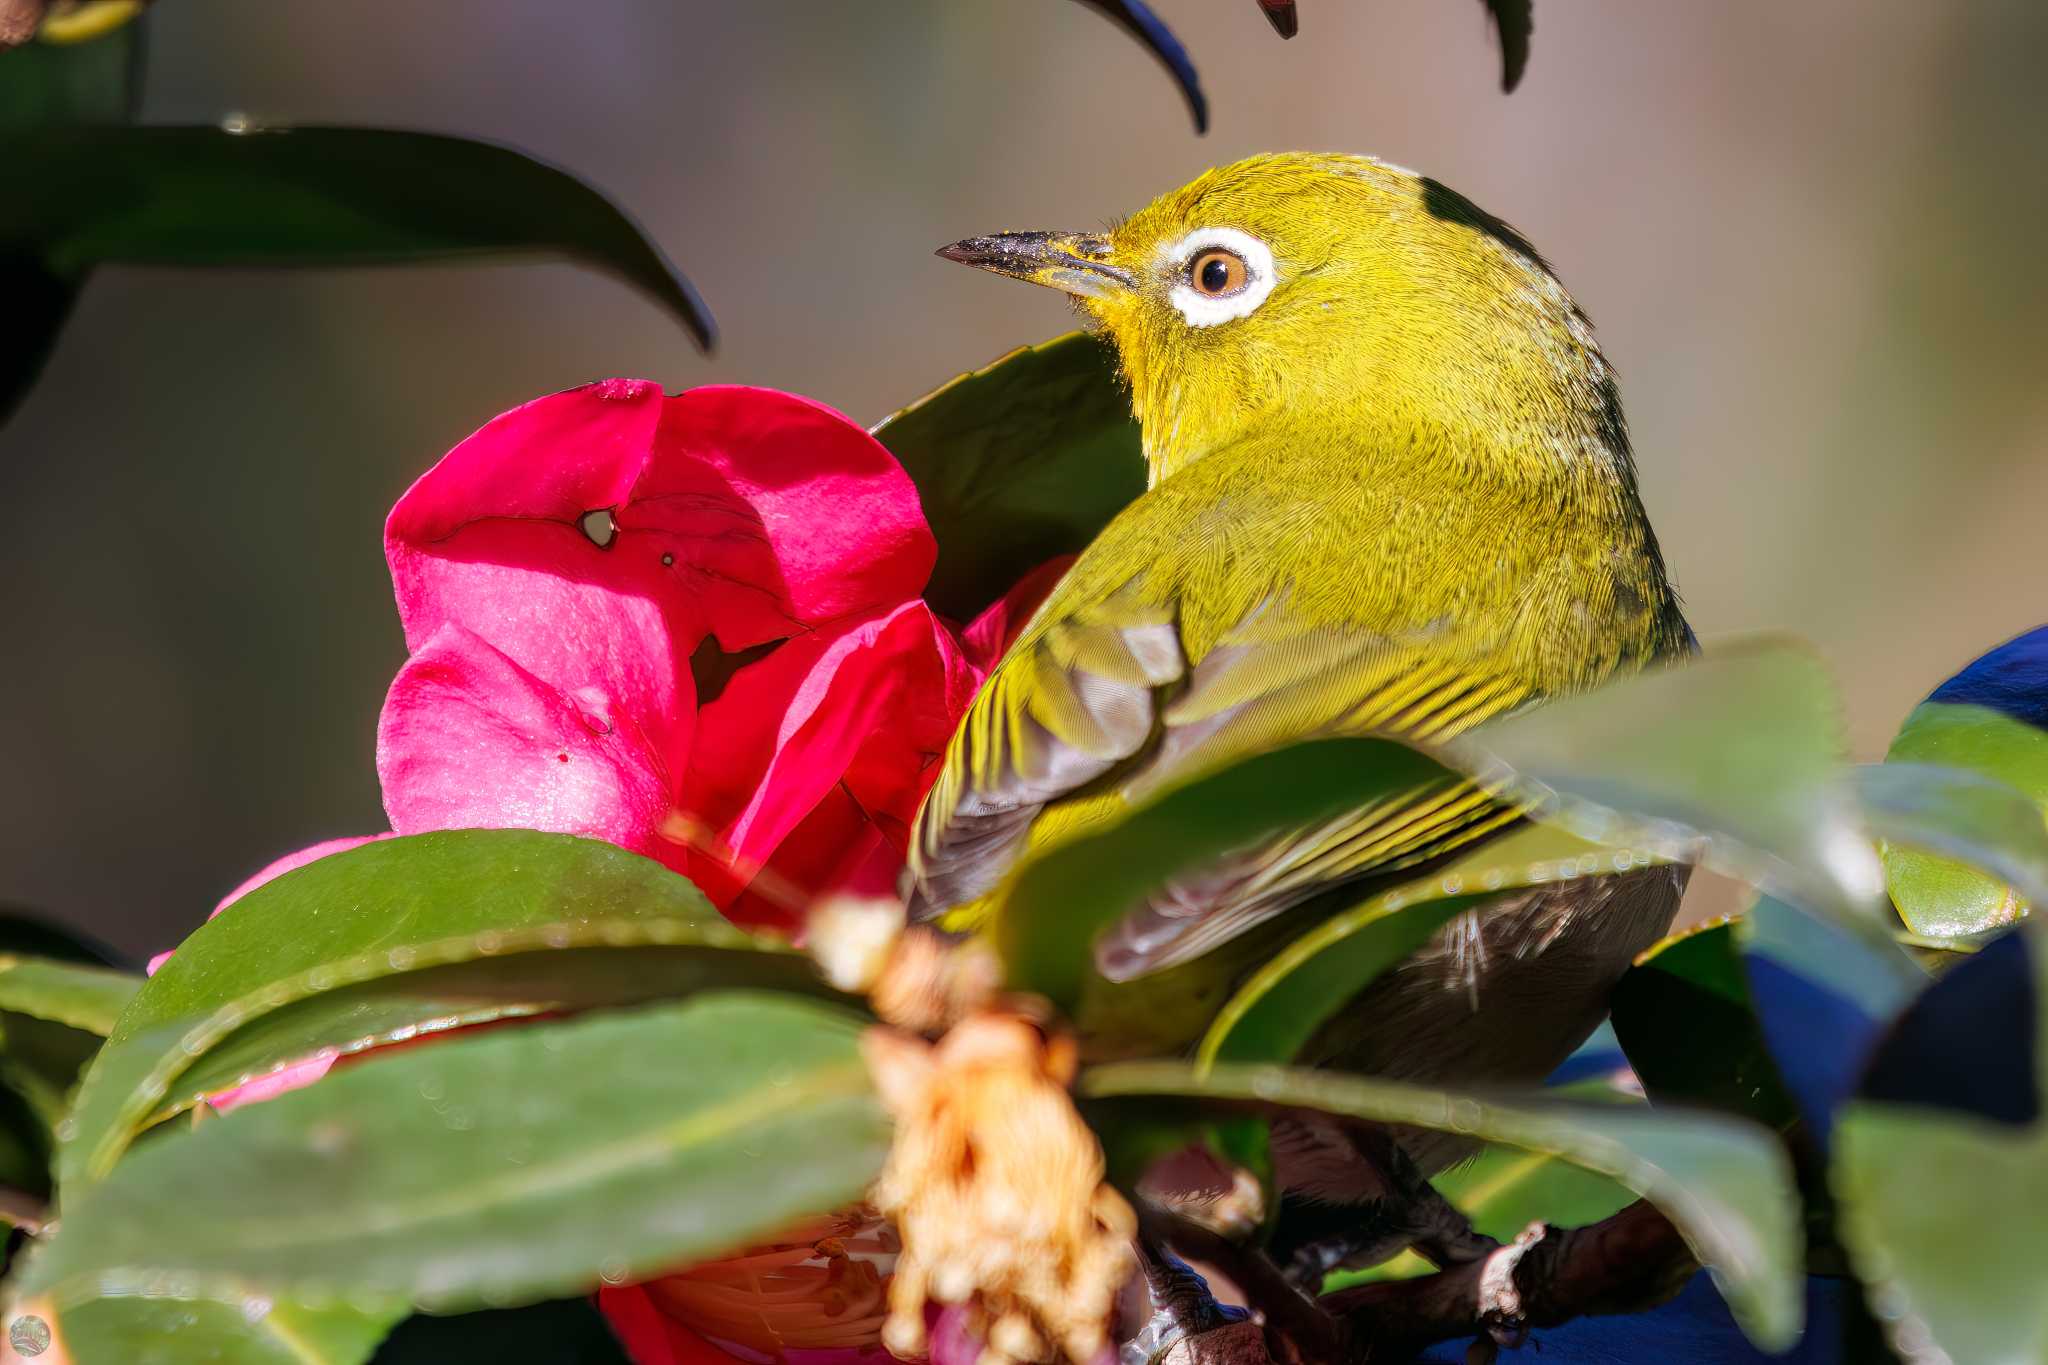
x=650 y=1336
x=470 y=739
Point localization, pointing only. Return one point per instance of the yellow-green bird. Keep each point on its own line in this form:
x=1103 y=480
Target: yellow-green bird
x=1391 y=493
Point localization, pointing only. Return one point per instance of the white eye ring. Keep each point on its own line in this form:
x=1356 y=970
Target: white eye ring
x=1207 y=310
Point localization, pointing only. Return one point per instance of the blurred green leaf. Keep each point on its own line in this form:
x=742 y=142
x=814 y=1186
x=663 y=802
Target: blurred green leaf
x=1137 y=19
x=1279 y=1007
x=1684 y=1017
x=532 y=973
x=498 y=1167
x=301 y=197
x=83 y=997
x=1725 y=1184
x=250 y=1330
x=1937 y=1203
x=1742 y=746
x=1937 y=1214
x=1018 y=463
x=384 y=908
x=45 y=85
x=1058 y=903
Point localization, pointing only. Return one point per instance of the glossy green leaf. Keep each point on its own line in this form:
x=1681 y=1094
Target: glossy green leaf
x=1684 y=1017
x=550 y=971
x=1059 y=902
x=249 y=1330
x=1018 y=463
x=80 y=996
x=1279 y=1007
x=384 y=908
x=1741 y=747
x=198 y=196
x=1947 y=829
x=500 y=1167
x=1725 y=1184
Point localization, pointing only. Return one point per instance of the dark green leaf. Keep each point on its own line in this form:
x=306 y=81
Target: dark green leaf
x=499 y=1167
x=248 y=1330
x=1725 y=1184
x=563 y=1332
x=388 y=907
x=46 y=86
x=312 y=196
x=83 y=997
x=1018 y=463
x=1684 y=1017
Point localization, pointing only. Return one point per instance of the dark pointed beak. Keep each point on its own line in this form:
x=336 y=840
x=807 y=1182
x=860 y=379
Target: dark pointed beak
x=1073 y=262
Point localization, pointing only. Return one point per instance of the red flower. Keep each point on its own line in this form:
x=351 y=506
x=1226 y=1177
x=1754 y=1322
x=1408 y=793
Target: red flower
x=558 y=572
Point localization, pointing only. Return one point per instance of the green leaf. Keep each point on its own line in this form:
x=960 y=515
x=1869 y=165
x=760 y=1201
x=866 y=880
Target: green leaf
x=47 y=85
x=83 y=997
x=1059 y=902
x=532 y=973
x=1686 y=1022
x=1018 y=463
x=1936 y=1210
x=250 y=1330
x=1741 y=746
x=1725 y=1184
x=384 y=908
x=197 y=196
x=497 y=1168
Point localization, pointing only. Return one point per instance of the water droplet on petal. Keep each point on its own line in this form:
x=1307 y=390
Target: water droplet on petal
x=598 y=527
x=668 y=561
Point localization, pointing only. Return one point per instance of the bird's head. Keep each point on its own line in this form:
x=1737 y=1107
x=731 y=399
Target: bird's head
x=1333 y=291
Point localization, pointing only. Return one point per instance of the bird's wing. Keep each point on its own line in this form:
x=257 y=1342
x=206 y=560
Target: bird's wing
x=1075 y=699
x=1100 y=701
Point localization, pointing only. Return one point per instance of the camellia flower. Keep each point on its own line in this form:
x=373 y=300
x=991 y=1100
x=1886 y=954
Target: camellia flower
x=690 y=625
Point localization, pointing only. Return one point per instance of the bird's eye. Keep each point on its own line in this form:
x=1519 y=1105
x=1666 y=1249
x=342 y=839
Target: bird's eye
x=1217 y=273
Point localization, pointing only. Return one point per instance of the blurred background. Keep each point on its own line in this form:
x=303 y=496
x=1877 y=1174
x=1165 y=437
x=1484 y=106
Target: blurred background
x=1809 y=235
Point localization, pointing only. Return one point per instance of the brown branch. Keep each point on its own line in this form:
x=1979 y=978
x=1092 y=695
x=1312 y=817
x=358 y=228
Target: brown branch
x=1632 y=1261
